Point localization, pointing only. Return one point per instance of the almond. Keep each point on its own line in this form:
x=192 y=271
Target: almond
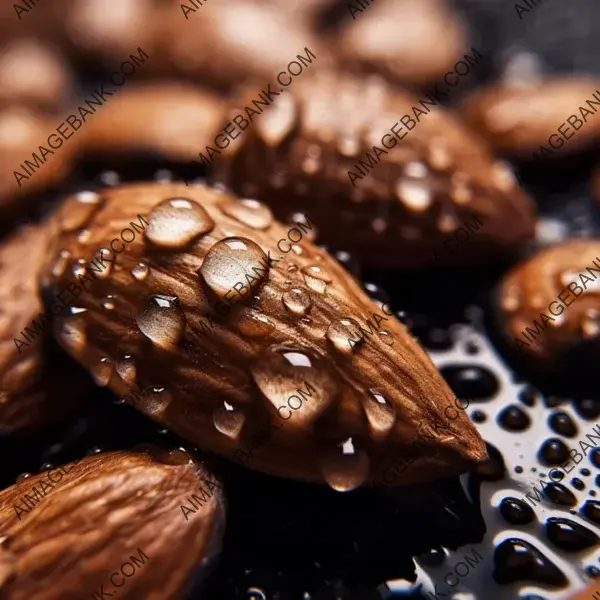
x=225 y=317
x=33 y=390
x=521 y=120
x=86 y=521
x=172 y=119
x=404 y=210
x=550 y=304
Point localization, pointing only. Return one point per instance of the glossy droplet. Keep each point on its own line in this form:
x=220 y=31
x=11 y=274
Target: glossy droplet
x=514 y=418
x=594 y=456
x=433 y=557
x=161 y=320
x=108 y=304
x=569 y=535
x=61 y=262
x=591 y=510
x=250 y=212
x=553 y=452
x=22 y=477
x=316 y=278
x=297 y=301
x=126 y=370
x=345 y=468
x=381 y=413
x=344 y=334
x=590 y=323
x=175 y=222
x=253 y=323
x=156 y=401
x=140 y=271
x=562 y=423
x=72 y=335
x=516 y=560
x=473 y=382
x=415 y=194
x=79 y=270
x=516 y=511
x=102 y=371
x=234 y=261
x=559 y=494
x=102 y=264
x=229 y=420
x=4 y=540
x=178 y=456
x=79 y=213
x=494 y=468
x=285 y=373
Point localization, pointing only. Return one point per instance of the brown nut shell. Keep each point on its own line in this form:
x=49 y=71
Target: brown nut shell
x=394 y=38
x=98 y=515
x=33 y=389
x=518 y=119
x=303 y=153
x=21 y=133
x=151 y=320
x=539 y=287
x=173 y=119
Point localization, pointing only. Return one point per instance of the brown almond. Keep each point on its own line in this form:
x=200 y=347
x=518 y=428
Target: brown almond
x=370 y=38
x=521 y=119
x=435 y=196
x=590 y=592
x=160 y=328
x=173 y=119
x=543 y=313
x=33 y=389
x=111 y=522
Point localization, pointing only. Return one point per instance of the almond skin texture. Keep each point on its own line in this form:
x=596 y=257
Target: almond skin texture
x=172 y=119
x=409 y=208
x=32 y=390
x=218 y=382
x=518 y=119
x=531 y=287
x=370 y=38
x=99 y=514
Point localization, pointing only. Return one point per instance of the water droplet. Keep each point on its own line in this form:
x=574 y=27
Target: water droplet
x=78 y=270
x=175 y=222
x=250 y=212
x=233 y=261
x=161 y=320
x=473 y=382
x=126 y=370
x=61 y=262
x=513 y=418
x=562 y=423
x=72 y=335
x=316 y=278
x=590 y=323
x=344 y=334
x=77 y=214
x=381 y=413
x=516 y=512
x=297 y=300
x=438 y=156
x=346 y=467
x=229 y=420
x=108 y=305
x=178 y=456
x=4 y=540
x=253 y=323
x=140 y=271
x=415 y=194
x=22 y=477
x=569 y=535
x=553 y=452
x=103 y=263
x=102 y=371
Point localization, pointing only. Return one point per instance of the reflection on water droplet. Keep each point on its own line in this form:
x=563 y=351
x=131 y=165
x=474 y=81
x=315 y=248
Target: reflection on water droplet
x=140 y=271
x=108 y=305
x=78 y=270
x=102 y=371
x=102 y=264
x=22 y=477
x=250 y=212
x=234 y=261
x=229 y=420
x=78 y=213
x=61 y=262
x=415 y=194
x=344 y=334
x=178 y=456
x=345 y=468
x=175 y=222
x=161 y=320
x=386 y=337
x=316 y=278
x=126 y=370
x=4 y=540
x=381 y=413
x=297 y=301
x=590 y=323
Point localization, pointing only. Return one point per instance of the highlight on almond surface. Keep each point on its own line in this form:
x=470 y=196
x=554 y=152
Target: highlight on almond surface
x=387 y=174
x=90 y=528
x=239 y=329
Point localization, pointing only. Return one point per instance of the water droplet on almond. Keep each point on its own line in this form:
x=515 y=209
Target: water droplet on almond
x=229 y=420
x=72 y=335
x=126 y=370
x=234 y=261
x=250 y=212
x=79 y=213
x=140 y=271
x=381 y=413
x=102 y=371
x=344 y=334
x=103 y=261
x=316 y=278
x=297 y=301
x=161 y=320
x=175 y=222
x=253 y=323
x=60 y=264
x=345 y=467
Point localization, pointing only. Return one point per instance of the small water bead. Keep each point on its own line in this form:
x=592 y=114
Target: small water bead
x=234 y=261
x=316 y=278
x=559 y=494
x=528 y=396
x=5 y=540
x=589 y=409
x=175 y=222
x=415 y=194
x=553 y=452
x=297 y=301
x=140 y=271
x=78 y=270
x=591 y=510
x=577 y=484
x=252 y=323
x=161 y=320
x=344 y=334
x=569 y=535
x=472 y=382
x=79 y=213
x=345 y=468
x=516 y=511
x=556 y=475
x=562 y=423
x=478 y=416
x=592 y=572
x=229 y=420
x=513 y=418
x=381 y=412
x=126 y=370
x=386 y=337
x=494 y=468
x=72 y=335
x=108 y=304
x=433 y=558
x=250 y=212
x=22 y=477
x=377 y=293
x=61 y=263
x=102 y=371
